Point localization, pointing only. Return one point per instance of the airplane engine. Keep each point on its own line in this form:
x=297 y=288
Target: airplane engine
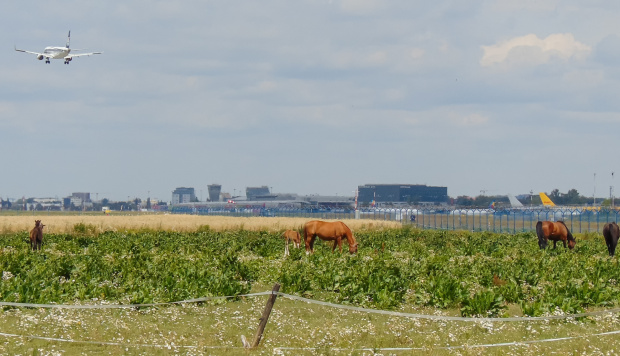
x=40 y=57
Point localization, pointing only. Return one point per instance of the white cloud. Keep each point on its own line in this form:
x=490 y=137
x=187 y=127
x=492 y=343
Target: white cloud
x=532 y=50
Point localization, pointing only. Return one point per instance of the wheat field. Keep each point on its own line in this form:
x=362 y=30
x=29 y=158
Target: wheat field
x=58 y=224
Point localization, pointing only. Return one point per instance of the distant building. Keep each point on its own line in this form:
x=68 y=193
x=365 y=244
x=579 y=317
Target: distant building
x=84 y=197
x=183 y=195
x=259 y=193
x=214 y=192
x=402 y=193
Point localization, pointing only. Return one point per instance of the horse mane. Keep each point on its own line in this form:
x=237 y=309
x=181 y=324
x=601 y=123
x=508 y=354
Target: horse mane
x=569 y=236
x=349 y=234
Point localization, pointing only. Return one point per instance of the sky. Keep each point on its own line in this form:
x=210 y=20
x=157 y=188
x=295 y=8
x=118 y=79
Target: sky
x=310 y=96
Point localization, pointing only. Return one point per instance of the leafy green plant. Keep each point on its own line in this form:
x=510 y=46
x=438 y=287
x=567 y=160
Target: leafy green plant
x=485 y=303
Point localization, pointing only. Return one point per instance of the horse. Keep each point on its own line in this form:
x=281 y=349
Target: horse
x=291 y=235
x=36 y=235
x=549 y=230
x=611 y=232
x=328 y=231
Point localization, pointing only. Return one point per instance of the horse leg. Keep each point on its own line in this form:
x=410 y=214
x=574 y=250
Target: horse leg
x=310 y=245
x=612 y=250
x=554 y=242
x=564 y=242
x=286 y=248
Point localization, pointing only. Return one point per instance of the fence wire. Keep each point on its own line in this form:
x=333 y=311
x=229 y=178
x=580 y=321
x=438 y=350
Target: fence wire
x=578 y=220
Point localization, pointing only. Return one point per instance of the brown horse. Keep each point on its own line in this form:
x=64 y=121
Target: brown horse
x=36 y=235
x=549 y=230
x=291 y=235
x=328 y=231
x=611 y=232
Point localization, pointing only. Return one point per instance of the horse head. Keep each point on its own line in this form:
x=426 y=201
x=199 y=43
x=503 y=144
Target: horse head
x=571 y=244
x=353 y=248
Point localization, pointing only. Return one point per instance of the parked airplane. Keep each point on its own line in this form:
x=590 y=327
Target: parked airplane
x=565 y=209
x=58 y=52
x=514 y=202
x=547 y=202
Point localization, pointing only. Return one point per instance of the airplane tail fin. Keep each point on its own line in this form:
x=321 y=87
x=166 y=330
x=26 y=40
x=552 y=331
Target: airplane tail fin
x=545 y=200
x=68 y=39
x=514 y=202
x=492 y=205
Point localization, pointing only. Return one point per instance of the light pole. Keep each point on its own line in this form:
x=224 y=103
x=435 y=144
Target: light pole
x=594 y=195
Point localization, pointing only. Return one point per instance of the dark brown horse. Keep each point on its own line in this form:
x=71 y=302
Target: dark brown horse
x=329 y=231
x=556 y=231
x=611 y=232
x=291 y=236
x=36 y=235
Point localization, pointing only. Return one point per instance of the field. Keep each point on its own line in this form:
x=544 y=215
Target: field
x=98 y=223
x=99 y=260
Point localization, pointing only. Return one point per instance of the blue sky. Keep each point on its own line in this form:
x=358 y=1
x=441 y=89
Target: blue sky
x=310 y=96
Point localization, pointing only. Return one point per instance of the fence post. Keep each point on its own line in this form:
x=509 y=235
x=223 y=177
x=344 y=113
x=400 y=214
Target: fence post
x=263 y=320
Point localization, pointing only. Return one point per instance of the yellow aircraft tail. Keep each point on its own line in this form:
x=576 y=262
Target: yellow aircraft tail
x=545 y=200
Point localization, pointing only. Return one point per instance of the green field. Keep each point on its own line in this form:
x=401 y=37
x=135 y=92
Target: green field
x=404 y=270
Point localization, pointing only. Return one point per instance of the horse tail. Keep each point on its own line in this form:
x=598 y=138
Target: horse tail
x=539 y=230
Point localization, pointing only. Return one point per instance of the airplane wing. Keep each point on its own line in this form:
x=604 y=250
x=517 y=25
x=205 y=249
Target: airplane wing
x=21 y=50
x=82 y=54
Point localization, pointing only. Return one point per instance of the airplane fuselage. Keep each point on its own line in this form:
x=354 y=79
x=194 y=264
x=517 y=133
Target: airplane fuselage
x=56 y=52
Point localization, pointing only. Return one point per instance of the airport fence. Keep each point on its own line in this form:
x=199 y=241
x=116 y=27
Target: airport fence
x=579 y=220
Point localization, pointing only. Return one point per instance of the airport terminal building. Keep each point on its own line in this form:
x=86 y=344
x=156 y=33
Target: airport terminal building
x=412 y=194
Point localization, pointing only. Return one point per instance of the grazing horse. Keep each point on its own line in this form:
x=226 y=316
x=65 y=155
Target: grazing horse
x=549 y=230
x=328 y=231
x=291 y=235
x=36 y=235
x=611 y=232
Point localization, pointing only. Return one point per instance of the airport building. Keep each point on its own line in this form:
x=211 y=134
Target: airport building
x=413 y=194
x=259 y=193
x=183 y=195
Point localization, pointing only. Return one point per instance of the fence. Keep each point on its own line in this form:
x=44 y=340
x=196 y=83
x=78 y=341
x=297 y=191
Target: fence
x=166 y=344
x=578 y=220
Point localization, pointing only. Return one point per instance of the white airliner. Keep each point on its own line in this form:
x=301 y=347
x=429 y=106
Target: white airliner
x=58 y=52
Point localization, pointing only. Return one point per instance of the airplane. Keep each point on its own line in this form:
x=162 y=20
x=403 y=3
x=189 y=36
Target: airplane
x=514 y=202
x=547 y=202
x=58 y=52
x=574 y=210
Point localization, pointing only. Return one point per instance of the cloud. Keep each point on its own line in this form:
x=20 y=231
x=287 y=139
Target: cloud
x=608 y=50
x=531 y=50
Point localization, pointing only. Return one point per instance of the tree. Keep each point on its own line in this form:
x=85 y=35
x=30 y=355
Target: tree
x=556 y=196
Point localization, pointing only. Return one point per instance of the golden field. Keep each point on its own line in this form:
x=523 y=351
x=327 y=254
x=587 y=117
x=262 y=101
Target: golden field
x=57 y=224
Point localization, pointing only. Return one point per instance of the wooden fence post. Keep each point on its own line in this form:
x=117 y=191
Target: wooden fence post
x=263 y=320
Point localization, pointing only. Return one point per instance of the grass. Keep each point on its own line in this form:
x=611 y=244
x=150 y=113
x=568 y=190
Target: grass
x=59 y=224
x=294 y=328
